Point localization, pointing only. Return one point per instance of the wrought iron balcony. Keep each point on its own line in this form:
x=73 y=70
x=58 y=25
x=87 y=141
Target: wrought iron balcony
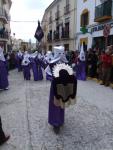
x=4 y=36
x=3 y=15
x=56 y=35
x=57 y=15
x=65 y=35
x=67 y=9
x=49 y=37
x=50 y=19
x=103 y=12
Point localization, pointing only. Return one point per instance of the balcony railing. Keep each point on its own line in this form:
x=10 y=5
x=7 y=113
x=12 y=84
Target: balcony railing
x=67 y=9
x=104 y=11
x=3 y=15
x=4 y=36
x=49 y=37
x=56 y=35
x=50 y=19
x=65 y=35
x=57 y=15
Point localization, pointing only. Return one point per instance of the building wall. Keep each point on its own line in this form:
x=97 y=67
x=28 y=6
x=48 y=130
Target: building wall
x=5 y=4
x=93 y=27
x=81 y=6
x=62 y=19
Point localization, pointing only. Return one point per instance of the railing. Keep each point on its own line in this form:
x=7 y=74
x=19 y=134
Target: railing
x=50 y=19
x=67 y=9
x=56 y=35
x=49 y=37
x=3 y=13
x=65 y=35
x=104 y=9
x=4 y=35
x=57 y=15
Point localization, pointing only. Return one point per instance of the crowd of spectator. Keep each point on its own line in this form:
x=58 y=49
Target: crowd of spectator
x=99 y=64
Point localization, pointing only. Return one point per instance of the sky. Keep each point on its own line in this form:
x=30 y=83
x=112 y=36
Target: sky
x=27 y=10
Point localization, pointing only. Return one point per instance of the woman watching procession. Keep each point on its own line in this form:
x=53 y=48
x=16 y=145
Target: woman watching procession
x=63 y=88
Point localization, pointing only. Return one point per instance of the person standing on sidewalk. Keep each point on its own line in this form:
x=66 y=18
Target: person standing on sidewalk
x=3 y=138
x=106 y=68
x=3 y=71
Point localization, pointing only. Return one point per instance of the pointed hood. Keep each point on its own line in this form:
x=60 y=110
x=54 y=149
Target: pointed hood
x=82 y=54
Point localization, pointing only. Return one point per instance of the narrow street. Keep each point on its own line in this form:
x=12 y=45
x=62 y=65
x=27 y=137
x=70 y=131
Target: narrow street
x=24 y=111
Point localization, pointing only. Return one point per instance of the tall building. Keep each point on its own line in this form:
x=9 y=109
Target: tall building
x=85 y=19
x=94 y=23
x=102 y=32
x=5 y=30
x=59 y=24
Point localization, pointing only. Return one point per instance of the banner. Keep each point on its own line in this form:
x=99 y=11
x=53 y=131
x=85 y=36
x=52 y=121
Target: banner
x=39 y=34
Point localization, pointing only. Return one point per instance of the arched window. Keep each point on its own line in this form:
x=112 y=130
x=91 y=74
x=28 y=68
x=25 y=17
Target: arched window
x=84 y=18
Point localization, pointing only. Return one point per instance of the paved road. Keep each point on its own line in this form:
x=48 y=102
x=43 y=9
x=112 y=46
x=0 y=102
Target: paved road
x=24 y=110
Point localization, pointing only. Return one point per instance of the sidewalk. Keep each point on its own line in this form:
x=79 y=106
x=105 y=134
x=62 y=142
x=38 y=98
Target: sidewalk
x=24 y=110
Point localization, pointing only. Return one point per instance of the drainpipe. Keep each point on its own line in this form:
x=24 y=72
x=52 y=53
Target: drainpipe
x=75 y=24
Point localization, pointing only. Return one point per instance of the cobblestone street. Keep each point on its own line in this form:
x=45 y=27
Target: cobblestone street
x=24 y=112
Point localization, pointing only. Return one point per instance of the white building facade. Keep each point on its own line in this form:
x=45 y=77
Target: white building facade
x=92 y=19
x=5 y=30
x=59 y=25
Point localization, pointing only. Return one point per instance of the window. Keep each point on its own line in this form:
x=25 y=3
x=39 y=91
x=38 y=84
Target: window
x=84 y=18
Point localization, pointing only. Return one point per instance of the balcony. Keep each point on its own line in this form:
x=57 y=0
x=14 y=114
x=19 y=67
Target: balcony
x=3 y=15
x=66 y=9
x=49 y=37
x=65 y=35
x=4 y=36
x=57 y=15
x=50 y=19
x=56 y=35
x=103 y=12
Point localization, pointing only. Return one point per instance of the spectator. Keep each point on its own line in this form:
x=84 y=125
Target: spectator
x=106 y=68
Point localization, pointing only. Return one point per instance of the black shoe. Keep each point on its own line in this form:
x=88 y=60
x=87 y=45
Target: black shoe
x=4 y=140
x=56 y=129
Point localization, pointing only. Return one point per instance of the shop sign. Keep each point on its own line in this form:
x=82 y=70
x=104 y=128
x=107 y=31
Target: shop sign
x=100 y=27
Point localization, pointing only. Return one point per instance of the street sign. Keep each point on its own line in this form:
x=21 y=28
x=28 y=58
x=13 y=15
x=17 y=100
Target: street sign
x=106 y=30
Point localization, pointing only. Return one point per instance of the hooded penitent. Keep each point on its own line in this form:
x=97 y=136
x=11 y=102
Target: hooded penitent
x=26 y=60
x=59 y=55
x=48 y=57
x=19 y=54
x=34 y=55
x=82 y=54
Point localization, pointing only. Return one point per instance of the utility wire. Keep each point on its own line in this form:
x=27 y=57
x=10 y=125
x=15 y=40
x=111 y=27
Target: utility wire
x=23 y=21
